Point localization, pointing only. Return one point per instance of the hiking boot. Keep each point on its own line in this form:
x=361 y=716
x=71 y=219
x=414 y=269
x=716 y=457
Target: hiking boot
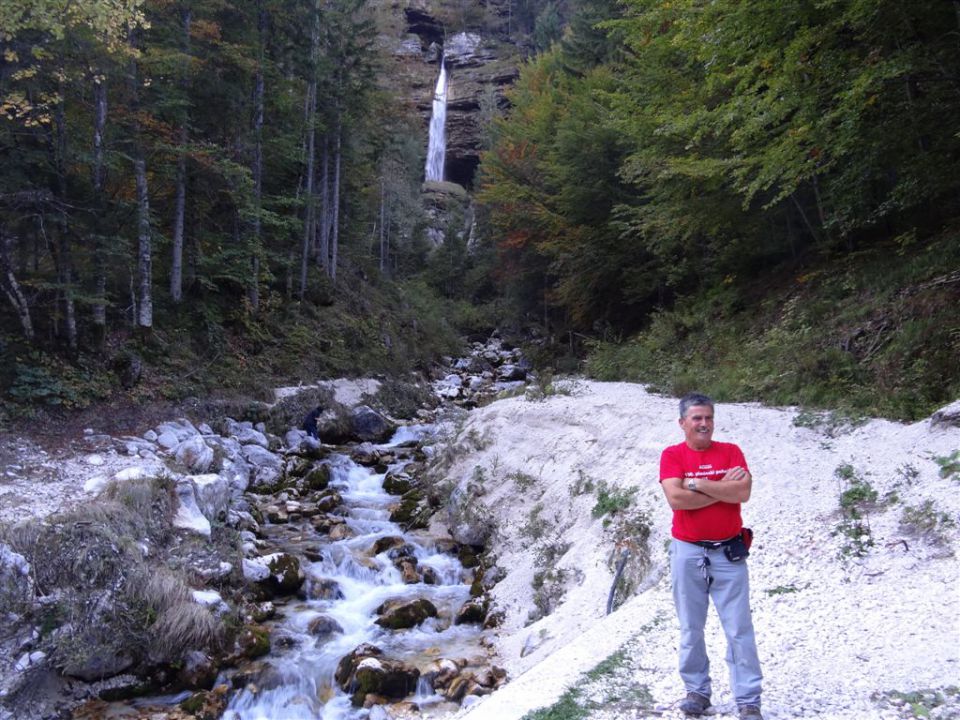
x=695 y=704
x=750 y=712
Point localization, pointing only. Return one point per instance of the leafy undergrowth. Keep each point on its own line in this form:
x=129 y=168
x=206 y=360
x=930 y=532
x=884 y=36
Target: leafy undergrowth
x=208 y=349
x=876 y=332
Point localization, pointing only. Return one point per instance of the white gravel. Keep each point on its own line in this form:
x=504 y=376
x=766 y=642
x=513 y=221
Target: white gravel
x=835 y=631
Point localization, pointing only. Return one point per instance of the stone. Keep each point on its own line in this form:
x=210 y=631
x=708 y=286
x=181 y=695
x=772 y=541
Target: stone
x=400 y=614
x=948 y=415
x=473 y=611
x=194 y=454
x=369 y=425
x=279 y=573
x=322 y=589
x=323 y=627
x=189 y=516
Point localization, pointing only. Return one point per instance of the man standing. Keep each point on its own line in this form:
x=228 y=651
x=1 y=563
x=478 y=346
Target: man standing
x=705 y=482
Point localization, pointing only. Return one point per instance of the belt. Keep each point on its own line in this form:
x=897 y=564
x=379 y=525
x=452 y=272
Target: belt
x=715 y=544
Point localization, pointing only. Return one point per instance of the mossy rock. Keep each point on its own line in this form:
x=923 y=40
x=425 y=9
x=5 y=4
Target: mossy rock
x=469 y=555
x=412 y=513
x=400 y=615
x=317 y=478
x=298 y=467
x=253 y=641
x=396 y=484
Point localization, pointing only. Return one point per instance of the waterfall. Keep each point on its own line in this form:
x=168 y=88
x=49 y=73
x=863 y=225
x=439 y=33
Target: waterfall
x=437 y=147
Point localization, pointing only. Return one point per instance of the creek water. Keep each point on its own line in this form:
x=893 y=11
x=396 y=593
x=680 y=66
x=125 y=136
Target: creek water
x=297 y=679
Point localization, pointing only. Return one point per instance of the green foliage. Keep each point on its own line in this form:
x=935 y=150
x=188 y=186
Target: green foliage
x=867 y=336
x=522 y=480
x=926 y=521
x=535 y=526
x=857 y=498
x=582 y=485
x=923 y=703
x=949 y=464
x=611 y=500
x=782 y=590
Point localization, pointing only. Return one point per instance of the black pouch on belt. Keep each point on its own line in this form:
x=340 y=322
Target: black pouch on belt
x=736 y=549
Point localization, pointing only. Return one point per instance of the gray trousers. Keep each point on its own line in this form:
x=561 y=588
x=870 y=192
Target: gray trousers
x=700 y=574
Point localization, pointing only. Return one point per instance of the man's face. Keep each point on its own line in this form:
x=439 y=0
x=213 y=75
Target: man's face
x=697 y=426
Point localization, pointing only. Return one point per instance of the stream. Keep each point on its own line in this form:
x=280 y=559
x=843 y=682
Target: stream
x=297 y=680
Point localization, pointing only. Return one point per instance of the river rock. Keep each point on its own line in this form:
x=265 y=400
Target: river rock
x=323 y=627
x=328 y=501
x=408 y=572
x=213 y=495
x=189 y=516
x=387 y=542
x=251 y=436
x=199 y=671
x=369 y=425
x=400 y=614
x=194 y=454
x=375 y=675
x=473 y=611
x=441 y=672
x=396 y=483
x=280 y=573
x=253 y=641
x=322 y=589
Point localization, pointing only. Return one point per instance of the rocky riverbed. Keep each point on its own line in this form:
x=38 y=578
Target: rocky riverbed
x=262 y=535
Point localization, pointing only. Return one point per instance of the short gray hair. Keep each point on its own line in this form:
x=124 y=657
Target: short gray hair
x=691 y=399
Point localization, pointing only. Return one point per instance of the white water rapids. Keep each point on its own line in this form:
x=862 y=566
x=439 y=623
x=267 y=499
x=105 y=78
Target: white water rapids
x=297 y=681
x=436 y=149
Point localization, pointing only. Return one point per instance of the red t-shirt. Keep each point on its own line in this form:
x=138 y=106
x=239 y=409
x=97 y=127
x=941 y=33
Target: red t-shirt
x=714 y=522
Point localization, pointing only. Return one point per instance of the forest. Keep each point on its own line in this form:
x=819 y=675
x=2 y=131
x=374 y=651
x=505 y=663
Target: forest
x=756 y=199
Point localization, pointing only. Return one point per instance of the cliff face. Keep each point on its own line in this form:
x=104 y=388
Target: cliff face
x=481 y=63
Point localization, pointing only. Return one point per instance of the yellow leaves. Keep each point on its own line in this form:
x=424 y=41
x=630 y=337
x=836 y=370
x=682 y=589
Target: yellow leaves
x=205 y=30
x=10 y=56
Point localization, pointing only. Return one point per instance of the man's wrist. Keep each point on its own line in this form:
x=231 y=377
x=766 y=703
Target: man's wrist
x=691 y=485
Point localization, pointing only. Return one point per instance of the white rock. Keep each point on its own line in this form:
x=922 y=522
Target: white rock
x=95 y=460
x=189 y=517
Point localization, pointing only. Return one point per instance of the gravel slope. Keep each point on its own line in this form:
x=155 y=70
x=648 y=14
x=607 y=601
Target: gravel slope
x=836 y=631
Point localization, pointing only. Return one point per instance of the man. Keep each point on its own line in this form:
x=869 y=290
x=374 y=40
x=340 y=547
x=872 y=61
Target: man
x=705 y=482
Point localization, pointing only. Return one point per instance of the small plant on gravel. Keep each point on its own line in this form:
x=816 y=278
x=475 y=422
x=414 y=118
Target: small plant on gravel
x=536 y=526
x=522 y=480
x=831 y=423
x=548 y=589
x=582 y=485
x=926 y=521
x=546 y=385
x=857 y=497
x=949 y=465
x=611 y=501
x=942 y=703
x=783 y=590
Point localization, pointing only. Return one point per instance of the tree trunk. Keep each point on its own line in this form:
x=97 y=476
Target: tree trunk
x=324 y=253
x=144 y=315
x=144 y=250
x=63 y=256
x=180 y=201
x=383 y=217
x=310 y=211
x=309 y=219
x=335 y=221
x=253 y=294
x=11 y=288
x=99 y=261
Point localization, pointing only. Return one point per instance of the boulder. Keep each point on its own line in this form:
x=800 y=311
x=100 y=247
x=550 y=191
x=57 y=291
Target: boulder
x=369 y=425
x=366 y=675
x=323 y=627
x=189 y=516
x=322 y=589
x=213 y=495
x=16 y=583
x=396 y=483
x=400 y=614
x=194 y=454
x=473 y=611
x=280 y=573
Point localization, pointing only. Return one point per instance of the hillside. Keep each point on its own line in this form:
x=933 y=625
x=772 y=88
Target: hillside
x=852 y=615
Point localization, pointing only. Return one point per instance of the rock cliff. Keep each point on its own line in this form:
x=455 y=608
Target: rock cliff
x=481 y=63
